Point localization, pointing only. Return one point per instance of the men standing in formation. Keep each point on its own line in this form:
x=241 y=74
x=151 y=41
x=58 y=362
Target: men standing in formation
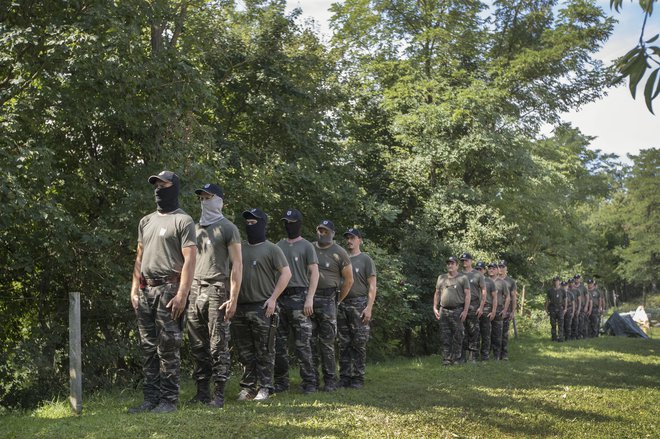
x=474 y=304
x=578 y=306
x=265 y=290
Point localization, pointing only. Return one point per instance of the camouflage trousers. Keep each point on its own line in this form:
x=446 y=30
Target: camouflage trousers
x=452 y=333
x=568 y=325
x=471 y=333
x=160 y=342
x=594 y=324
x=575 y=334
x=292 y=317
x=353 y=336
x=496 y=335
x=485 y=329
x=208 y=333
x=254 y=338
x=556 y=324
x=582 y=325
x=324 y=333
x=504 y=351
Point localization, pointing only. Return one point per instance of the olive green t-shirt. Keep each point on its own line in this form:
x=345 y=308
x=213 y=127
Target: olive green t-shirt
x=556 y=297
x=512 y=286
x=595 y=297
x=490 y=288
x=261 y=271
x=363 y=269
x=162 y=238
x=213 y=243
x=332 y=261
x=477 y=284
x=452 y=290
x=502 y=293
x=570 y=296
x=299 y=254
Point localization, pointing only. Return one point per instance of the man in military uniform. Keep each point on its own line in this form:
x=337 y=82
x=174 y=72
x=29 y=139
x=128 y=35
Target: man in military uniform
x=503 y=301
x=578 y=304
x=335 y=272
x=569 y=311
x=488 y=314
x=477 y=303
x=509 y=314
x=297 y=305
x=210 y=307
x=597 y=307
x=555 y=305
x=452 y=293
x=162 y=275
x=354 y=314
x=265 y=275
x=583 y=319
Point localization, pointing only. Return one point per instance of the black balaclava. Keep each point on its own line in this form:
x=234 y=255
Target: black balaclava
x=256 y=233
x=167 y=198
x=293 y=229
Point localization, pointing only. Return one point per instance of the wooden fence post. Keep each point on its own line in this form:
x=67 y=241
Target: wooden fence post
x=75 y=354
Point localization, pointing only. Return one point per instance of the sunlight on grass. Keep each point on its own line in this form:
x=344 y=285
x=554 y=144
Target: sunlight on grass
x=54 y=410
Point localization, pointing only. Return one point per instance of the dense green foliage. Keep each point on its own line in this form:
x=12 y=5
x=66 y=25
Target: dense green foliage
x=419 y=123
x=606 y=387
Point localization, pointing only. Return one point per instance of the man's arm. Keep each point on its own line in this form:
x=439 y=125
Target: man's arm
x=347 y=275
x=282 y=282
x=135 y=287
x=466 y=306
x=366 y=314
x=178 y=303
x=493 y=311
x=482 y=303
x=313 y=270
x=514 y=301
x=436 y=300
x=236 y=258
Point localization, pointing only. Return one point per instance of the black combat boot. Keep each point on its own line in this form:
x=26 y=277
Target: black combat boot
x=219 y=396
x=203 y=395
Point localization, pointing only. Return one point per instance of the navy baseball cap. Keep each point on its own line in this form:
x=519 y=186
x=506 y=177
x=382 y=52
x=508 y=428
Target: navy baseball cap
x=501 y=263
x=465 y=256
x=577 y=276
x=564 y=283
x=292 y=215
x=255 y=213
x=451 y=259
x=212 y=189
x=354 y=232
x=164 y=176
x=481 y=265
x=327 y=224
x=556 y=278
x=492 y=265
x=590 y=281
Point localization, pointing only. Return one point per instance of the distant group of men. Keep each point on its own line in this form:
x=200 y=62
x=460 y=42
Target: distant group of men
x=298 y=292
x=475 y=310
x=575 y=310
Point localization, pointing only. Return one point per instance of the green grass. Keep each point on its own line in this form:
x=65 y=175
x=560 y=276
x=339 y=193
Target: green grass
x=605 y=387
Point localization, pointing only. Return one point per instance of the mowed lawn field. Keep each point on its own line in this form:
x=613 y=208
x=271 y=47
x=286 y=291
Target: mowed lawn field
x=603 y=388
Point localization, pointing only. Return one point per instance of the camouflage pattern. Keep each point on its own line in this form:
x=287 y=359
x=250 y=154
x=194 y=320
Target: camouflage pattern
x=471 y=332
x=496 y=335
x=582 y=324
x=292 y=317
x=556 y=323
x=594 y=323
x=574 y=325
x=353 y=336
x=485 y=333
x=504 y=350
x=324 y=333
x=160 y=340
x=254 y=338
x=568 y=324
x=208 y=332
x=452 y=333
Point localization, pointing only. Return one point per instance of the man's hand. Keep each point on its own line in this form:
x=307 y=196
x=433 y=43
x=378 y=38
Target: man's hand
x=464 y=315
x=436 y=313
x=309 y=306
x=230 y=309
x=135 y=301
x=270 y=305
x=491 y=315
x=177 y=305
x=366 y=315
x=480 y=312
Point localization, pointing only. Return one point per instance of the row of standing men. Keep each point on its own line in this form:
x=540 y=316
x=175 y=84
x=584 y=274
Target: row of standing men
x=574 y=310
x=475 y=311
x=255 y=293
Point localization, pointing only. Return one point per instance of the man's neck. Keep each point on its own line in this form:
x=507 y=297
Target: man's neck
x=318 y=244
x=354 y=252
x=291 y=241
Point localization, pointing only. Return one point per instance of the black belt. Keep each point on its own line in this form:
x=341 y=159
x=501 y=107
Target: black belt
x=325 y=292
x=158 y=281
x=451 y=308
x=291 y=291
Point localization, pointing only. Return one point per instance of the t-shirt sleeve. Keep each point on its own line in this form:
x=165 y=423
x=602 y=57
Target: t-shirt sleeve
x=514 y=286
x=140 y=231
x=370 y=267
x=505 y=290
x=438 y=283
x=310 y=255
x=188 y=234
x=233 y=236
x=278 y=258
x=344 y=259
x=482 y=282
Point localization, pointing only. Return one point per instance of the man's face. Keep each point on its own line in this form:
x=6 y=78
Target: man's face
x=492 y=271
x=205 y=196
x=251 y=221
x=452 y=267
x=467 y=263
x=557 y=283
x=322 y=231
x=502 y=270
x=353 y=242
